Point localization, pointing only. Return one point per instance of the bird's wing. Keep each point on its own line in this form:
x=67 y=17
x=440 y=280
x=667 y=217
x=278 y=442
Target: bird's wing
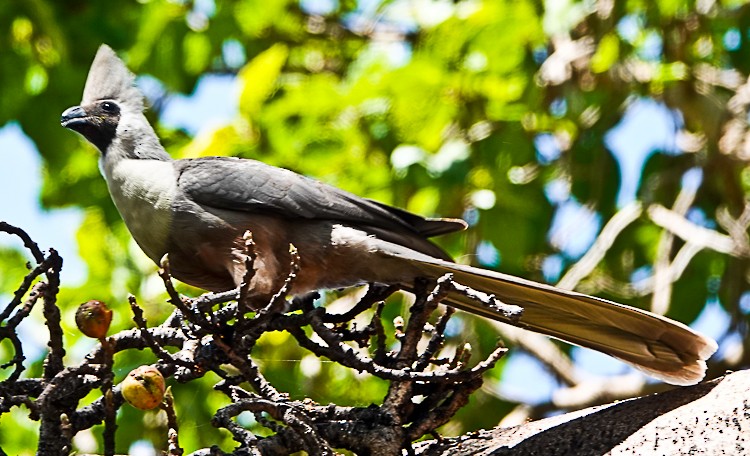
x=252 y=186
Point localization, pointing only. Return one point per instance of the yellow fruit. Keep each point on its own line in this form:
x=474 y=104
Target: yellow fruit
x=93 y=319
x=143 y=388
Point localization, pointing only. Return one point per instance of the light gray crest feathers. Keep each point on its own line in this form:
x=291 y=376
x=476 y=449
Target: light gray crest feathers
x=109 y=78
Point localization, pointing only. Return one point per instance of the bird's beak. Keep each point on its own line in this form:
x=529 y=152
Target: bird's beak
x=74 y=118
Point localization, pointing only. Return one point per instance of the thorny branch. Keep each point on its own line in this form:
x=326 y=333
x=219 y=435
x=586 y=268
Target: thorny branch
x=217 y=330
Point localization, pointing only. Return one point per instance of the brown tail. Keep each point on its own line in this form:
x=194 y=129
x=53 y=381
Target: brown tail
x=656 y=345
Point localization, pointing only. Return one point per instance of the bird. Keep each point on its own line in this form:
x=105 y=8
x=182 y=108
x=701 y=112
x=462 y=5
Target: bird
x=198 y=210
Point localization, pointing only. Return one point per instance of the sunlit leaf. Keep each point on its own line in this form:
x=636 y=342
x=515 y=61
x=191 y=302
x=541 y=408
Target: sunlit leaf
x=606 y=54
x=259 y=77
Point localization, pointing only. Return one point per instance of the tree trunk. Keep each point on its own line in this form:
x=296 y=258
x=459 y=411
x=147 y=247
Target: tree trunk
x=709 y=418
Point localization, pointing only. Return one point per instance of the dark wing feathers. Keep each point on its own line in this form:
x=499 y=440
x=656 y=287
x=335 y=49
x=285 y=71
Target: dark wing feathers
x=253 y=186
x=427 y=227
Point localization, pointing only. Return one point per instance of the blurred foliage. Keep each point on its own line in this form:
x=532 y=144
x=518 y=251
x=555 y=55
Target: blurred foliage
x=430 y=105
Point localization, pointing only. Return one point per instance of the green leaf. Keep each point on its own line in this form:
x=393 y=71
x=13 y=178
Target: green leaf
x=198 y=47
x=259 y=77
x=606 y=53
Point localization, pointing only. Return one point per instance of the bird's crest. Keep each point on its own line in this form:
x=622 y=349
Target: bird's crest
x=109 y=78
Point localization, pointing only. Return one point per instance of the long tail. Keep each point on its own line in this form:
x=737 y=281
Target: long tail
x=656 y=345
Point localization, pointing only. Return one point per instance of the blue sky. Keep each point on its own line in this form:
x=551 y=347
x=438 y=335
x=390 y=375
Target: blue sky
x=20 y=181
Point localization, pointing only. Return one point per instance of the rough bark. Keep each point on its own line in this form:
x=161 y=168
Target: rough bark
x=710 y=418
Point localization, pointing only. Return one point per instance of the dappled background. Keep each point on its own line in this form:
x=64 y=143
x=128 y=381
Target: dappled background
x=598 y=145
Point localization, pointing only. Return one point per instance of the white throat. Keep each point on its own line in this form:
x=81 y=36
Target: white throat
x=143 y=191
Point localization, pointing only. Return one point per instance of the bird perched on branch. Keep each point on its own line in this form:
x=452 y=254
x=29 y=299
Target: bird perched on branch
x=197 y=210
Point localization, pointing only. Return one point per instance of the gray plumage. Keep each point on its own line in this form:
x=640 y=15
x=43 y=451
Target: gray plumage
x=197 y=210
x=252 y=186
x=106 y=80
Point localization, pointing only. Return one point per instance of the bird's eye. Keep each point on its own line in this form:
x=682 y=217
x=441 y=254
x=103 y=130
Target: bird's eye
x=108 y=106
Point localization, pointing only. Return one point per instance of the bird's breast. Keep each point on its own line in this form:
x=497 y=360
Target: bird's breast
x=143 y=191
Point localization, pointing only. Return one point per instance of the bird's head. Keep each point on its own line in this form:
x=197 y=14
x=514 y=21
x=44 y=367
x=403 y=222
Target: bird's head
x=112 y=106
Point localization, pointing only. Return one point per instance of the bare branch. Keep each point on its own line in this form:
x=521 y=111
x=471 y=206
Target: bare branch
x=690 y=232
x=621 y=220
x=25 y=238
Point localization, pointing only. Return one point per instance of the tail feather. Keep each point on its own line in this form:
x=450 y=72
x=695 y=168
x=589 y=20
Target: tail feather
x=656 y=345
